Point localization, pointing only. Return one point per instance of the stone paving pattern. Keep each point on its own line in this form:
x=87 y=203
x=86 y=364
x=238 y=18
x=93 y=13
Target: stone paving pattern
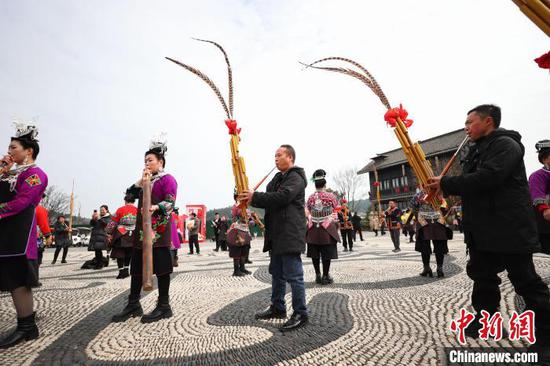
x=378 y=312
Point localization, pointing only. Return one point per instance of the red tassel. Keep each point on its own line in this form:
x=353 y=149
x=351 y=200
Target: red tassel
x=232 y=126
x=544 y=61
x=392 y=114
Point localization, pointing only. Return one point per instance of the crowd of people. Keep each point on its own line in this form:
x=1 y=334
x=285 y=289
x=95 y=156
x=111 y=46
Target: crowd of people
x=505 y=219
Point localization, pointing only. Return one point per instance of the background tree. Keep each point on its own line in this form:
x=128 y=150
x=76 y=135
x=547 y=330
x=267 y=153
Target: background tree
x=56 y=202
x=351 y=185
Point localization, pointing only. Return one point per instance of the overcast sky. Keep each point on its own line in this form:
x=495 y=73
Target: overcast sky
x=94 y=74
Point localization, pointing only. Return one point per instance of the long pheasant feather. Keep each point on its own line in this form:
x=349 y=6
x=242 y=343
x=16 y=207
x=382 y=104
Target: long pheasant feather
x=207 y=80
x=229 y=72
x=360 y=67
x=369 y=81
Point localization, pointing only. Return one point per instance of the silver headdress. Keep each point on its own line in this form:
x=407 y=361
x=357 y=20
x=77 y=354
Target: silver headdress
x=159 y=143
x=319 y=174
x=542 y=145
x=22 y=130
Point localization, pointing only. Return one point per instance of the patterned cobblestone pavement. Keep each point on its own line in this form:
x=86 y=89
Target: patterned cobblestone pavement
x=378 y=312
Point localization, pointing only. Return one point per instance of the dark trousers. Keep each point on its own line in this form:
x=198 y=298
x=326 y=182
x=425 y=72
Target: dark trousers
x=483 y=268
x=163 y=286
x=394 y=233
x=98 y=256
x=125 y=262
x=357 y=231
x=194 y=241
x=347 y=239
x=40 y=255
x=426 y=251
x=288 y=268
x=56 y=254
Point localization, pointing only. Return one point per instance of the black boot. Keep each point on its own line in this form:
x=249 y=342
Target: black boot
x=440 y=272
x=133 y=308
x=318 y=278
x=161 y=311
x=123 y=273
x=243 y=269
x=327 y=280
x=427 y=272
x=25 y=331
x=237 y=269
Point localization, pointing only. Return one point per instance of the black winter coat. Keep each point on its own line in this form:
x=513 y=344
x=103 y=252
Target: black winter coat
x=98 y=237
x=496 y=202
x=285 y=219
x=61 y=235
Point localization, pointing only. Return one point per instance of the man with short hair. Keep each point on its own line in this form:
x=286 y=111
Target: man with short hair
x=356 y=222
x=393 y=218
x=499 y=223
x=216 y=229
x=285 y=233
x=194 y=226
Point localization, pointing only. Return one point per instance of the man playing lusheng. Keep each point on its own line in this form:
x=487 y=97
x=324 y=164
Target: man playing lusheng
x=499 y=223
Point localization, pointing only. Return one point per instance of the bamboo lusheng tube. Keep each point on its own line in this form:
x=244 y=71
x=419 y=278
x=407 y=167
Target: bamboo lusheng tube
x=239 y=171
x=533 y=17
x=403 y=130
x=413 y=157
x=540 y=9
x=417 y=159
x=407 y=149
x=408 y=154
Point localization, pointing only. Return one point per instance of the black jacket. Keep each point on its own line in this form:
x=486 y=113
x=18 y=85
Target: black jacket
x=98 y=237
x=61 y=235
x=356 y=221
x=285 y=219
x=498 y=216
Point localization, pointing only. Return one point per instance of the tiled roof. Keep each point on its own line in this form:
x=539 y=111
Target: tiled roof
x=432 y=146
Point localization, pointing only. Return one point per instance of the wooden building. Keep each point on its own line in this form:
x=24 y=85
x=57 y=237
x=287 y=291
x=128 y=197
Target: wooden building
x=397 y=180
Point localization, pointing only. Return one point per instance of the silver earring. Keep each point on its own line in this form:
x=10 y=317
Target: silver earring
x=26 y=160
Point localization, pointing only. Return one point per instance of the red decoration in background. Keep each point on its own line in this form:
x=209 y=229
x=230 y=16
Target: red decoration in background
x=376 y=184
x=544 y=61
x=392 y=114
x=232 y=126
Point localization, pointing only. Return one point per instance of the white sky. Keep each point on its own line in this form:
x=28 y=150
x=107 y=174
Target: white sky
x=94 y=73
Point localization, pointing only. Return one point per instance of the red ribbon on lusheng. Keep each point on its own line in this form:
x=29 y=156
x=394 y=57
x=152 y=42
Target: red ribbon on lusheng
x=232 y=126
x=376 y=184
x=391 y=116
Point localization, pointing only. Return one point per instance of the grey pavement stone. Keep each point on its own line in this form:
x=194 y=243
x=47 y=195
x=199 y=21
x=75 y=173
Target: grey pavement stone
x=378 y=311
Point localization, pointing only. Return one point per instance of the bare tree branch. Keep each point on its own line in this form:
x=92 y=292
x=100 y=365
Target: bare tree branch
x=350 y=184
x=56 y=201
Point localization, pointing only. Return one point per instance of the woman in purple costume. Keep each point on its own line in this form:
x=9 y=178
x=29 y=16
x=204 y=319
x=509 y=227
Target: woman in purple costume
x=539 y=185
x=22 y=184
x=163 y=197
